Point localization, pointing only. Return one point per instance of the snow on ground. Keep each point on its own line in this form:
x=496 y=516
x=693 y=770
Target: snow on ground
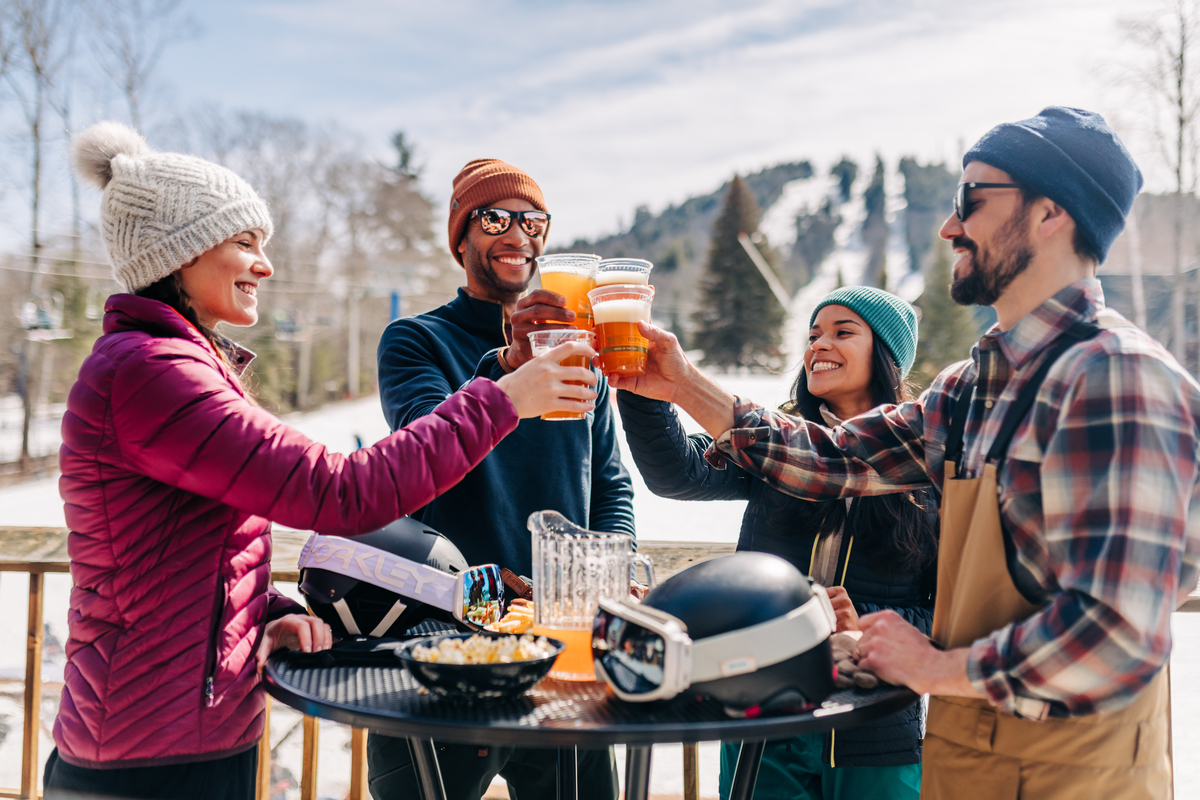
x=37 y=503
x=43 y=429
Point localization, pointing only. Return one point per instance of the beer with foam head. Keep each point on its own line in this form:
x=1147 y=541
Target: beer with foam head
x=623 y=271
x=572 y=275
x=617 y=310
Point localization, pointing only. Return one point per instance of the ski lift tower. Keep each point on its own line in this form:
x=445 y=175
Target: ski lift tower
x=41 y=321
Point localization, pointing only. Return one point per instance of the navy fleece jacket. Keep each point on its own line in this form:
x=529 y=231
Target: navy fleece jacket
x=573 y=467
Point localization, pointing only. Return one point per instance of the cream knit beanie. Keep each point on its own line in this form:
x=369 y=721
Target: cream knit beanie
x=160 y=210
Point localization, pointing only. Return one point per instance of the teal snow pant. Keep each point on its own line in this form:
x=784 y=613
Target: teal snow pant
x=792 y=770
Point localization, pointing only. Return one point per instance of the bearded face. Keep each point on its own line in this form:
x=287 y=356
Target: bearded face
x=993 y=267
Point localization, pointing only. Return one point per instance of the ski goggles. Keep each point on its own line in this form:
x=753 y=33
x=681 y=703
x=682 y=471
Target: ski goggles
x=645 y=654
x=474 y=596
x=495 y=221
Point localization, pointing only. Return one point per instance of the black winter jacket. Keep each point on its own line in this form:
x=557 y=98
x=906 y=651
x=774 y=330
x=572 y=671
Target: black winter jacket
x=673 y=465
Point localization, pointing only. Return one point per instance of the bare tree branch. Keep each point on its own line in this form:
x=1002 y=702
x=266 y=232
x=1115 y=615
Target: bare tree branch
x=129 y=40
x=1166 y=80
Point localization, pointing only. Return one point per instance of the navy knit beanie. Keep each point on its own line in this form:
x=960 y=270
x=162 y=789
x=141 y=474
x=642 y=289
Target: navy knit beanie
x=1072 y=157
x=893 y=320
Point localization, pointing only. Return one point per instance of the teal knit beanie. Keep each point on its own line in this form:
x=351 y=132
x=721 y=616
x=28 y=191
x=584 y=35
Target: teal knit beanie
x=893 y=320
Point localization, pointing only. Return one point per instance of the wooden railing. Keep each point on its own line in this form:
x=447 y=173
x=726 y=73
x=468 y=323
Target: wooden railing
x=38 y=551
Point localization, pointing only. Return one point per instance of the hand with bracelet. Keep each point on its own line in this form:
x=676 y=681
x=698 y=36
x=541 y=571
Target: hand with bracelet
x=536 y=310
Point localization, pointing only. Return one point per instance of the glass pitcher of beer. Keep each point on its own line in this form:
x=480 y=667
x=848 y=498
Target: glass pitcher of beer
x=617 y=310
x=572 y=275
x=572 y=569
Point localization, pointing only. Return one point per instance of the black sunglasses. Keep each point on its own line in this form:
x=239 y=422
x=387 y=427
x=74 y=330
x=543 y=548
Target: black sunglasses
x=962 y=202
x=495 y=221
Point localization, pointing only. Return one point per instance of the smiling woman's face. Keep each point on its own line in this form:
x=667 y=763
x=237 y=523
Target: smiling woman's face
x=838 y=358
x=222 y=284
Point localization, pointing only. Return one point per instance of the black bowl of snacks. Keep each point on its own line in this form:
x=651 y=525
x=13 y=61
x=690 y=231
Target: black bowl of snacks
x=483 y=668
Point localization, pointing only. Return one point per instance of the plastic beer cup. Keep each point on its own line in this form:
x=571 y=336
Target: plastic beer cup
x=543 y=341
x=572 y=275
x=624 y=271
x=617 y=310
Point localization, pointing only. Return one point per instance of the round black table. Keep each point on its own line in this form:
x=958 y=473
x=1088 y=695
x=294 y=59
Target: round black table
x=558 y=714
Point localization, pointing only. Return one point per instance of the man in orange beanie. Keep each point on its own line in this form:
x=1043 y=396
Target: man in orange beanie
x=498 y=225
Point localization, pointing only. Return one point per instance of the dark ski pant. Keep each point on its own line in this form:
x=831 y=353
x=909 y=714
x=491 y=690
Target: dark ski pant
x=792 y=769
x=468 y=769
x=229 y=778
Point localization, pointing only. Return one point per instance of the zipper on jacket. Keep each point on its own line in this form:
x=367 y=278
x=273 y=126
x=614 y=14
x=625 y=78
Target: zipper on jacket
x=211 y=660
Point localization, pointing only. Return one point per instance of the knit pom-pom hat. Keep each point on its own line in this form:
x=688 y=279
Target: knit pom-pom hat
x=485 y=181
x=893 y=320
x=160 y=210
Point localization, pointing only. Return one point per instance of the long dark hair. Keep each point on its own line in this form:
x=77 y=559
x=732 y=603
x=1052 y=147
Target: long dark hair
x=170 y=290
x=896 y=529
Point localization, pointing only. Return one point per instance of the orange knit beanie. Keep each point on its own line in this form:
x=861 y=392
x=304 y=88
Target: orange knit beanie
x=482 y=182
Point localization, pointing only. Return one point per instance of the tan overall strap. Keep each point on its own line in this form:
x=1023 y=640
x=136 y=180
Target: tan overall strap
x=973 y=572
x=972 y=750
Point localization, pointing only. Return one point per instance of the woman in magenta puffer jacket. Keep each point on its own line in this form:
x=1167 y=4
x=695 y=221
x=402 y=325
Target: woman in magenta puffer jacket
x=171 y=475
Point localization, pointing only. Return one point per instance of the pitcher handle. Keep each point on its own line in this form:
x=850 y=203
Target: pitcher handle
x=645 y=561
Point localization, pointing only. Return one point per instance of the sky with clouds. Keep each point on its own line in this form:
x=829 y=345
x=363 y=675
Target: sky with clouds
x=610 y=104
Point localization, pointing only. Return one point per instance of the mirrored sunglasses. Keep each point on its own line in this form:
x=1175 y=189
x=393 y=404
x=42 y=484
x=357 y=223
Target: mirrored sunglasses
x=495 y=221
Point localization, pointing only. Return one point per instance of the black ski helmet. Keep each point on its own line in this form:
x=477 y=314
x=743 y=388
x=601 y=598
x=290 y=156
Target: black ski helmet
x=738 y=591
x=357 y=608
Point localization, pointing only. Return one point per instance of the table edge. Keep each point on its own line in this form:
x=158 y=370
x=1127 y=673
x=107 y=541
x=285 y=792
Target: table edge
x=758 y=729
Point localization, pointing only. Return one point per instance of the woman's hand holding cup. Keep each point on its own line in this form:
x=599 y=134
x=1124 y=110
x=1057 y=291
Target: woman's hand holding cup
x=542 y=385
x=667 y=368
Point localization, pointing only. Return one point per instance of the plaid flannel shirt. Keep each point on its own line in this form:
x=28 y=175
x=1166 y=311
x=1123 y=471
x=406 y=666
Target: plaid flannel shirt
x=1099 y=492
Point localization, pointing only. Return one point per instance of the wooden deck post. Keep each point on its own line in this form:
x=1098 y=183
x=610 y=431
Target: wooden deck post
x=262 y=783
x=358 y=764
x=691 y=771
x=33 y=689
x=308 y=767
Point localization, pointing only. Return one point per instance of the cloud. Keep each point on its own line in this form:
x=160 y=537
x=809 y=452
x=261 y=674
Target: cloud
x=617 y=103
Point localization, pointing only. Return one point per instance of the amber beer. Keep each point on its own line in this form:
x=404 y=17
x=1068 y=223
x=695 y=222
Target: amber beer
x=617 y=311
x=623 y=271
x=572 y=275
x=543 y=341
x=575 y=663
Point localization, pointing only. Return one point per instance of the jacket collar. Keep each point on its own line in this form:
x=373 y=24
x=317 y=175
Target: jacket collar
x=1040 y=328
x=484 y=317
x=128 y=312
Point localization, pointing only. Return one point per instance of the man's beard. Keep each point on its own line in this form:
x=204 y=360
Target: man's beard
x=992 y=272
x=476 y=264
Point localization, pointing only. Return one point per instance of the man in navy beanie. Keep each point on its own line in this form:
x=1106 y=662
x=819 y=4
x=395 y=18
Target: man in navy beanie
x=1065 y=454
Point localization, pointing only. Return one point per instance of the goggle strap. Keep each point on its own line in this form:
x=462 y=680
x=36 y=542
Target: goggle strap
x=346 y=616
x=380 y=568
x=389 y=618
x=762 y=645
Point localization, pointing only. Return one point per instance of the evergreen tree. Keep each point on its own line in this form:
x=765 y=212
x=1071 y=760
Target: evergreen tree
x=814 y=242
x=875 y=228
x=928 y=195
x=739 y=320
x=947 y=329
x=846 y=171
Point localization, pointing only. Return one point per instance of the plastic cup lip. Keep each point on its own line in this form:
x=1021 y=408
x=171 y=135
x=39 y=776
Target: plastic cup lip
x=625 y=265
x=621 y=291
x=579 y=263
x=541 y=341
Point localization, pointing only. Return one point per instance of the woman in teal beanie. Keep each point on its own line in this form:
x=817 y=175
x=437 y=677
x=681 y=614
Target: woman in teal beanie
x=872 y=553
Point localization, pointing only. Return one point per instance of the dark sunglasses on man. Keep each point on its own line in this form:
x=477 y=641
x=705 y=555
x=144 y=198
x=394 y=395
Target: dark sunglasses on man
x=962 y=199
x=495 y=221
